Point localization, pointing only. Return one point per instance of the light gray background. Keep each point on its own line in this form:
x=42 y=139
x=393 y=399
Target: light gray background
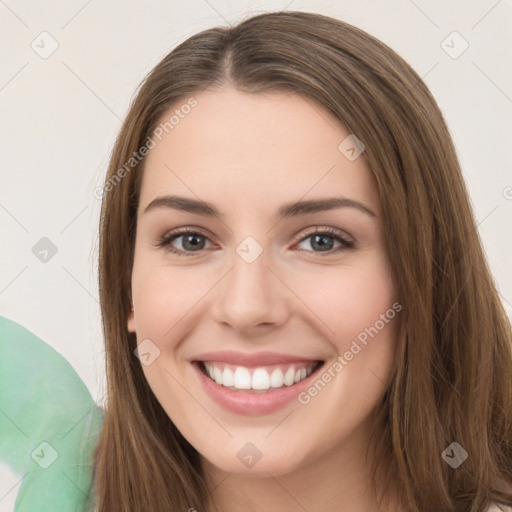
x=60 y=116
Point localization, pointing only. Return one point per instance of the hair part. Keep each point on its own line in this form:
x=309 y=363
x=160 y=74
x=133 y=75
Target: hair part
x=452 y=380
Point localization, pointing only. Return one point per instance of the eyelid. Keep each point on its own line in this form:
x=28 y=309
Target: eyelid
x=313 y=230
x=165 y=240
x=347 y=241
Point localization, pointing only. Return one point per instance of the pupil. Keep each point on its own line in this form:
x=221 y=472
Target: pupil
x=321 y=244
x=192 y=241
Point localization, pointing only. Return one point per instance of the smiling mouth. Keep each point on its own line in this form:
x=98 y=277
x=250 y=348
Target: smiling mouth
x=258 y=379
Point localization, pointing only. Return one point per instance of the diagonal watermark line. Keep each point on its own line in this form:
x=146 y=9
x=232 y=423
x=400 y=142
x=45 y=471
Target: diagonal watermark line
x=487 y=216
x=13 y=13
x=14 y=423
x=13 y=217
x=91 y=90
x=485 y=15
x=13 y=279
x=220 y=14
x=75 y=15
x=424 y=14
x=79 y=284
x=425 y=75
x=504 y=299
x=383 y=383
x=86 y=495
x=199 y=403
x=197 y=302
x=422 y=77
x=82 y=418
x=492 y=81
x=280 y=423
x=221 y=482
x=286 y=491
x=300 y=299
x=74 y=218
x=10 y=490
x=14 y=76
x=287 y=5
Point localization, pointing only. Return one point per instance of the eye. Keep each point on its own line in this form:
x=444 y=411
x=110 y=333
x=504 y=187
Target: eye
x=323 y=240
x=192 y=241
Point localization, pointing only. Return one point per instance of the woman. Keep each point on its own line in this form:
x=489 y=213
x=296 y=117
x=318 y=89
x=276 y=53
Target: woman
x=336 y=342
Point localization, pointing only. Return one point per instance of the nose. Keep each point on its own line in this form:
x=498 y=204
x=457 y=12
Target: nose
x=251 y=298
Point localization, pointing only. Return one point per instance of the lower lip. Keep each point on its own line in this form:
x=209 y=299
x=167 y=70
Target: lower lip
x=252 y=404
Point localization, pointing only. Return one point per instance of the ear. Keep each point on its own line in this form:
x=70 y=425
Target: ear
x=131 y=321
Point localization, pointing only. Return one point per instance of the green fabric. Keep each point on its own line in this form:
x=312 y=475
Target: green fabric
x=49 y=424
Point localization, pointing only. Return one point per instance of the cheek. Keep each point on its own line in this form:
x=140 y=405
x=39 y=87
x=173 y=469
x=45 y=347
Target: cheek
x=352 y=300
x=164 y=297
x=360 y=308
x=364 y=320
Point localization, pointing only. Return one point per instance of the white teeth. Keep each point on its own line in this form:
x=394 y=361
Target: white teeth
x=242 y=378
x=260 y=380
x=277 y=378
x=217 y=375
x=228 y=379
x=289 y=376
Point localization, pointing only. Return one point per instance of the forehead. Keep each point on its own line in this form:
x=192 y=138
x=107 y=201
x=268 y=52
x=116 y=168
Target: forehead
x=252 y=147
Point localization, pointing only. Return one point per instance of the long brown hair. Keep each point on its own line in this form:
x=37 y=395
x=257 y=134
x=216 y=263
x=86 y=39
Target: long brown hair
x=452 y=381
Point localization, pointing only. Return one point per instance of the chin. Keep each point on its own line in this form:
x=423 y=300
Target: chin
x=275 y=463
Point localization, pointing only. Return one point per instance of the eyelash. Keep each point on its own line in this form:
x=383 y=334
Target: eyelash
x=166 y=240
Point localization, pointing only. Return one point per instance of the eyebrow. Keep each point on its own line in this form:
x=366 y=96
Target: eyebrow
x=285 y=211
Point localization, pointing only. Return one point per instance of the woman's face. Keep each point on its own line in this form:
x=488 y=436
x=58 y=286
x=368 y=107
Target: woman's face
x=296 y=328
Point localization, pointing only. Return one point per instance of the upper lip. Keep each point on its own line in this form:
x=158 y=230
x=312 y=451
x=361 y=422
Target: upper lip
x=251 y=360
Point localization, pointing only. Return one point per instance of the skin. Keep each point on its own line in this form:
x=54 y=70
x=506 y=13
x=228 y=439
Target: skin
x=248 y=154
